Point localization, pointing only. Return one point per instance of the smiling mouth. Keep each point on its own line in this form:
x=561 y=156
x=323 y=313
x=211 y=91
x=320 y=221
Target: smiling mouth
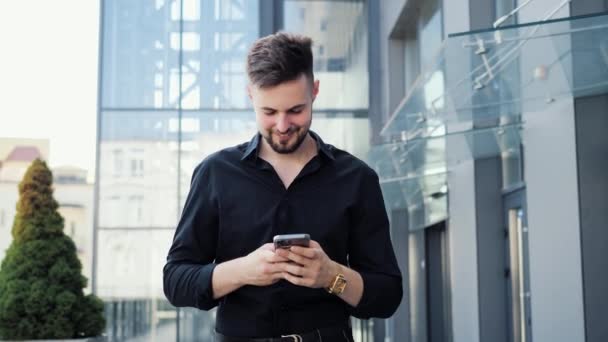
x=283 y=137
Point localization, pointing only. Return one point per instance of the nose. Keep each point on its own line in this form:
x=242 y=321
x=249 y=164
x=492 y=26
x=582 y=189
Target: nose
x=282 y=123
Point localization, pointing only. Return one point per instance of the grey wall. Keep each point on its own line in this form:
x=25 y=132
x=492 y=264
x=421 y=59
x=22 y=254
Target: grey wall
x=581 y=7
x=553 y=220
x=396 y=58
x=391 y=11
x=418 y=286
x=399 y=236
x=481 y=14
x=394 y=15
x=592 y=151
x=463 y=254
x=375 y=71
x=489 y=212
x=388 y=12
x=552 y=199
x=476 y=220
x=462 y=220
x=437 y=284
x=491 y=251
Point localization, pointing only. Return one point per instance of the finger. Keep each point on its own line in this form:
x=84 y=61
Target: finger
x=294 y=257
x=275 y=258
x=307 y=252
x=277 y=276
x=294 y=269
x=295 y=280
x=280 y=259
x=272 y=268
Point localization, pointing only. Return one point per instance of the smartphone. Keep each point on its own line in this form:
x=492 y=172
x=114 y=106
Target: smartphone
x=288 y=240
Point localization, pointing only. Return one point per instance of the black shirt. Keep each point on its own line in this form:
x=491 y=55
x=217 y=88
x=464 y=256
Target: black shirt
x=237 y=202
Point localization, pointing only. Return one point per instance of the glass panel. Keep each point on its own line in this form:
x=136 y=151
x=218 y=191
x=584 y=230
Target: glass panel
x=137 y=218
x=408 y=160
x=425 y=198
x=339 y=33
x=138 y=169
x=503 y=8
x=483 y=143
x=490 y=75
x=140 y=58
x=129 y=278
x=347 y=133
x=414 y=174
x=147 y=153
x=196 y=325
x=217 y=35
x=131 y=262
x=423 y=157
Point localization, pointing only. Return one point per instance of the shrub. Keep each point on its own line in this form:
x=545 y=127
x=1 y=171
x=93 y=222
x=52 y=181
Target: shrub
x=41 y=282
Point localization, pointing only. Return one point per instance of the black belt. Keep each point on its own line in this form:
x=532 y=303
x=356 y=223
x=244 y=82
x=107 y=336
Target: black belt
x=317 y=335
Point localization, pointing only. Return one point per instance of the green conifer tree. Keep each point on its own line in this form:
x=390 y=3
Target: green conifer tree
x=41 y=281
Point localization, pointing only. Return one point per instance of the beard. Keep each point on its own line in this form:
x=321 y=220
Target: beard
x=297 y=135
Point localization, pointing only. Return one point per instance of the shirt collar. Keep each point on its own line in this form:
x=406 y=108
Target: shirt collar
x=324 y=148
x=254 y=146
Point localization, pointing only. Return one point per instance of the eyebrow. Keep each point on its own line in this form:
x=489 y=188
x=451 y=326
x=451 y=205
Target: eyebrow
x=292 y=108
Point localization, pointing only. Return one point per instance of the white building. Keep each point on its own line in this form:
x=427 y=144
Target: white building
x=72 y=192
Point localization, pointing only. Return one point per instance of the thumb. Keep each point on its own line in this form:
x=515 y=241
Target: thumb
x=268 y=247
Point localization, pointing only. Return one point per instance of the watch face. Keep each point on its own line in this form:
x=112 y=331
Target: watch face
x=339 y=284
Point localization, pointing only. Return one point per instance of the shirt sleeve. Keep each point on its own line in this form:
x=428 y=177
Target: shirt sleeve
x=190 y=263
x=371 y=254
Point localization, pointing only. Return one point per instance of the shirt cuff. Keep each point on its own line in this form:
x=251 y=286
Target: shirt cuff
x=380 y=296
x=204 y=297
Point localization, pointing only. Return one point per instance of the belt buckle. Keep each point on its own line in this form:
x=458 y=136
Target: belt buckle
x=296 y=337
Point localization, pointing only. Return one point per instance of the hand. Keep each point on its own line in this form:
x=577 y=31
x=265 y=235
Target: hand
x=262 y=267
x=310 y=266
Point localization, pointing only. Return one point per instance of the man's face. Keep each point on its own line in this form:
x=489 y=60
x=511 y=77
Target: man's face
x=284 y=112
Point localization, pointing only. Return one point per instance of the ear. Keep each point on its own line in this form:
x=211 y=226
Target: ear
x=315 y=90
x=249 y=91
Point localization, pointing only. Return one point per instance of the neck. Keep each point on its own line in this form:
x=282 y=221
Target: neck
x=303 y=154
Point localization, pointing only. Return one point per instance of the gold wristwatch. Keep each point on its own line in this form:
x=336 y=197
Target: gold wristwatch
x=338 y=285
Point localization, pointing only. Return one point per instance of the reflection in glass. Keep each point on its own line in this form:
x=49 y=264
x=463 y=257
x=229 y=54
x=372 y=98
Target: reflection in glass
x=140 y=54
x=347 y=133
x=526 y=66
x=215 y=40
x=339 y=33
x=138 y=170
x=143 y=45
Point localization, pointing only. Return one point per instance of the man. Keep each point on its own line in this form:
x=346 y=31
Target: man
x=286 y=180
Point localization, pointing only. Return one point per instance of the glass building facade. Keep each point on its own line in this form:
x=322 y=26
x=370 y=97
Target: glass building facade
x=172 y=91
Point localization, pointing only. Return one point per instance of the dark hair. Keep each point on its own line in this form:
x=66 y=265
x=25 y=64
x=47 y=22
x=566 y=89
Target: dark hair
x=279 y=58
